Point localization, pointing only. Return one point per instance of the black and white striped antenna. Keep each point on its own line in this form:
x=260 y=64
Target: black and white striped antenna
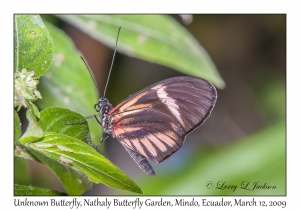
x=112 y=62
x=91 y=75
x=109 y=69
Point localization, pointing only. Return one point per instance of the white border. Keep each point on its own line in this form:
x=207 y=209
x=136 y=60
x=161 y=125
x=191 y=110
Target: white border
x=8 y=8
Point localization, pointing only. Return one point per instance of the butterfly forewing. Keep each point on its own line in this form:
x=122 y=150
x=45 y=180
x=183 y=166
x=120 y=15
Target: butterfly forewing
x=154 y=121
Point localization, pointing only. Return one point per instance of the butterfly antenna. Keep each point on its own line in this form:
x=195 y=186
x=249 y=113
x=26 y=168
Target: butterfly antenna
x=112 y=62
x=91 y=75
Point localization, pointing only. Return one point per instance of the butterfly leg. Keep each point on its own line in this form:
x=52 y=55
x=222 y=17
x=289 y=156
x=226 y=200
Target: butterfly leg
x=99 y=121
x=102 y=139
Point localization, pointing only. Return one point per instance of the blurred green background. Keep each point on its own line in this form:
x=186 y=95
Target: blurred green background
x=244 y=140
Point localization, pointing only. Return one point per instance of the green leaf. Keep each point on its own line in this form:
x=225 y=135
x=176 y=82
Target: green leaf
x=79 y=157
x=74 y=182
x=34 y=132
x=68 y=83
x=33 y=45
x=21 y=171
x=34 y=109
x=17 y=127
x=55 y=120
x=23 y=154
x=24 y=190
x=155 y=38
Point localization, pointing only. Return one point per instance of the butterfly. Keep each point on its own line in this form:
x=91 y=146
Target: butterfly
x=152 y=123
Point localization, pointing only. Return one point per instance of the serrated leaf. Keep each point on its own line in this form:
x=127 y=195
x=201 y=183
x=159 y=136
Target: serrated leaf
x=24 y=190
x=17 y=127
x=68 y=83
x=33 y=132
x=155 y=38
x=55 y=120
x=33 y=46
x=82 y=158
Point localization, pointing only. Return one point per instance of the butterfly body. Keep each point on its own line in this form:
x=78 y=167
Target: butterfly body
x=103 y=107
x=152 y=124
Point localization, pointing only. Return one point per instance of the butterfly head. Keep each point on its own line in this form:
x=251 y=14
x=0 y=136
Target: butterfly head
x=103 y=106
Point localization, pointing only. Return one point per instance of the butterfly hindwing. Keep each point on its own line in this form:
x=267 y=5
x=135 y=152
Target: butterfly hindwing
x=154 y=121
x=141 y=161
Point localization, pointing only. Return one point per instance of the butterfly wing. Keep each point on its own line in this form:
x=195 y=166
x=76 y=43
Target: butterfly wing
x=154 y=121
x=141 y=161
